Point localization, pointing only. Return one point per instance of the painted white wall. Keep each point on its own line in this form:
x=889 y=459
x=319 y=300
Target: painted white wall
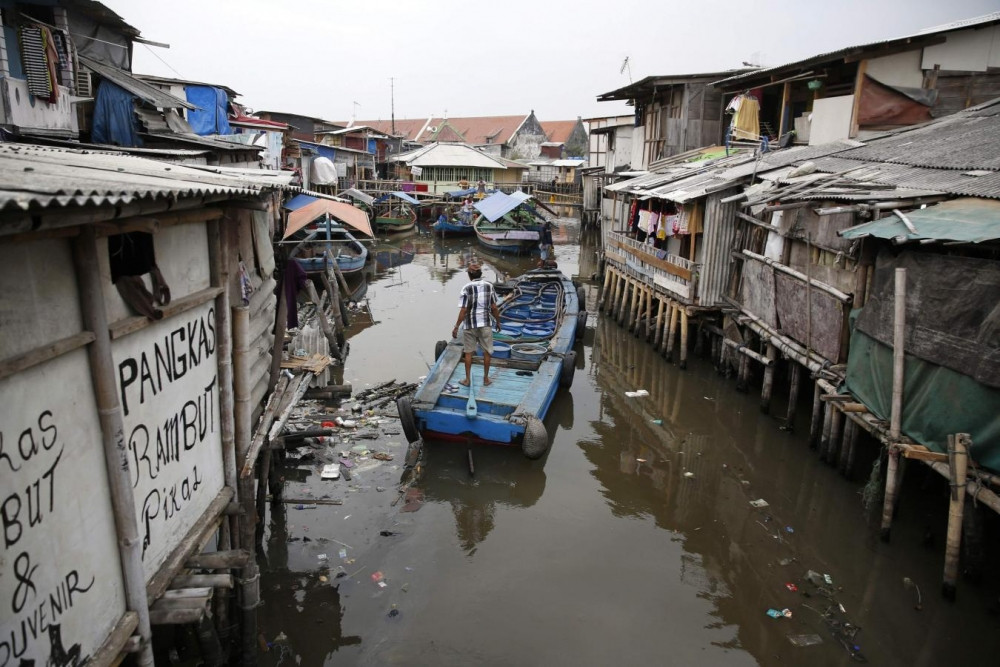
x=59 y=565
x=29 y=113
x=40 y=301
x=899 y=69
x=638 y=160
x=966 y=51
x=168 y=389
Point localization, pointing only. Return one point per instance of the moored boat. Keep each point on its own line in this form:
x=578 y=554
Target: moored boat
x=525 y=376
x=344 y=249
x=395 y=212
x=506 y=224
x=452 y=227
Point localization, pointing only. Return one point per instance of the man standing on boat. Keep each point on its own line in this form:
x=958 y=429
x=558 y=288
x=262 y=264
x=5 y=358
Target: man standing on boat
x=476 y=306
x=545 y=244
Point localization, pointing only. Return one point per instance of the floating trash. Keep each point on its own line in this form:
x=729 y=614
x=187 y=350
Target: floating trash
x=805 y=640
x=304 y=506
x=330 y=471
x=689 y=475
x=759 y=503
x=342 y=553
x=792 y=587
x=637 y=393
x=789 y=529
x=656 y=421
x=377 y=576
x=783 y=613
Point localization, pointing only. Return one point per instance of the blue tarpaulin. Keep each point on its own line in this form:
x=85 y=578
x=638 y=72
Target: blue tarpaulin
x=114 y=117
x=212 y=114
x=298 y=201
x=401 y=195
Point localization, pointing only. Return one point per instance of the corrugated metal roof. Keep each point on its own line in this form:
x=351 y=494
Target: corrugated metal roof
x=963 y=220
x=148 y=92
x=568 y=162
x=951 y=181
x=956 y=142
x=35 y=177
x=832 y=55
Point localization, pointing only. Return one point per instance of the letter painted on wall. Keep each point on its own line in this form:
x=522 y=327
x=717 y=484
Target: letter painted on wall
x=60 y=575
x=169 y=393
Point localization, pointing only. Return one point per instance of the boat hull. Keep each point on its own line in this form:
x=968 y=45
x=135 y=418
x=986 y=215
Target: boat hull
x=393 y=225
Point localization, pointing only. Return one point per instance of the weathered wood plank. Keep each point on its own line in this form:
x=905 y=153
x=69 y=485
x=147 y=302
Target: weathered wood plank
x=26 y=360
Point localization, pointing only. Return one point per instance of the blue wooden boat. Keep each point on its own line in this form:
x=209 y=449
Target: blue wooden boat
x=453 y=227
x=507 y=223
x=349 y=253
x=511 y=409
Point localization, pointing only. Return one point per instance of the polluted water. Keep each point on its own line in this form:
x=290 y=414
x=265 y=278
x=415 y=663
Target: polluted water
x=605 y=551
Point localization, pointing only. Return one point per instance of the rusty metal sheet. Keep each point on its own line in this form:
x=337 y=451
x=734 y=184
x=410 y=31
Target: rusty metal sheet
x=827 y=316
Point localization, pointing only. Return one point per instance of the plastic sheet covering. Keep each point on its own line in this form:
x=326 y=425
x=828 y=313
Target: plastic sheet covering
x=324 y=172
x=496 y=206
x=114 y=117
x=212 y=114
x=886 y=106
x=937 y=401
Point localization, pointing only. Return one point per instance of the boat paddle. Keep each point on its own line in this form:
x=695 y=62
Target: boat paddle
x=470 y=406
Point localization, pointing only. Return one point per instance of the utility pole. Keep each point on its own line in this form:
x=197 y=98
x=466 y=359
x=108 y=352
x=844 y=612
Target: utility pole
x=392 y=98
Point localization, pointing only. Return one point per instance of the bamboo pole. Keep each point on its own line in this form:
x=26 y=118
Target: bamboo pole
x=958 y=459
x=116 y=455
x=324 y=323
x=650 y=327
x=672 y=331
x=635 y=309
x=743 y=374
x=612 y=297
x=242 y=383
x=768 y=385
x=824 y=438
x=893 y=477
x=219 y=275
x=604 y=290
x=684 y=339
x=626 y=289
x=898 y=341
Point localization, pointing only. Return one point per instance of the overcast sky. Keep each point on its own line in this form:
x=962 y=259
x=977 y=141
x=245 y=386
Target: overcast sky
x=468 y=58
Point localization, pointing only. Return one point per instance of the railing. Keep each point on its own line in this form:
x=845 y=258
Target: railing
x=669 y=273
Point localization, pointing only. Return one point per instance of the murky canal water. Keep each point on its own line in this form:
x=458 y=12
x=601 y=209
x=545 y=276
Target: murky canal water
x=632 y=542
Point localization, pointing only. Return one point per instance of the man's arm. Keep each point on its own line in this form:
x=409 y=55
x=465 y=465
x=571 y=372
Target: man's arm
x=496 y=315
x=461 y=316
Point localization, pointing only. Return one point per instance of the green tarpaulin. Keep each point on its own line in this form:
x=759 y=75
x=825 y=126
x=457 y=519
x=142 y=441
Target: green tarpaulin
x=937 y=401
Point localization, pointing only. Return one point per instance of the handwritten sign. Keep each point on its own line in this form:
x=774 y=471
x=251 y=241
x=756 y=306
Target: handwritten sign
x=60 y=575
x=169 y=393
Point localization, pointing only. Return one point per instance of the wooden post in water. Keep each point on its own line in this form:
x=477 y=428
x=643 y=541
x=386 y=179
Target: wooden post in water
x=658 y=333
x=684 y=338
x=116 y=456
x=672 y=332
x=650 y=321
x=243 y=427
x=768 y=385
x=794 y=380
x=958 y=461
x=743 y=374
x=626 y=290
x=893 y=475
x=635 y=309
x=836 y=433
x=324 y=323
x=619 y=293
x=816 y=423
x=824 y=437
x=604 y=291
x=847 y=446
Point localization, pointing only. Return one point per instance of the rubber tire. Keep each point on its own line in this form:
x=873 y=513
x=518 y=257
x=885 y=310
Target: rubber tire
x=439 y=348
x=406 y=419
x=581 y=324
x=536 y=439
x=581 y=297
x=568 y=370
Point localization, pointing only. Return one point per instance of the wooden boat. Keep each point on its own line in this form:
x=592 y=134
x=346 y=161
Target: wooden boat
x=349 y=253
x=453 y=227
x=506 y=235
x=395 y=212
x=511 y=409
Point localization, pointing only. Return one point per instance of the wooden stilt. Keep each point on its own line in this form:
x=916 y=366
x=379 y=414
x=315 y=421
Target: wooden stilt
x=824 y=436
x=836 y=434
x=668 y=313
x=650 y=318
x=958 y=460
x=658 y=334
x=794 y=380
x=635 y=309
x=672 y=332
x=893 y=480
x=684 y=339
x=604 y=290
x=618 y=294
x=699 y=339
x=847 y=446
x=626 y=291
x=768 y=385
x=816 y=424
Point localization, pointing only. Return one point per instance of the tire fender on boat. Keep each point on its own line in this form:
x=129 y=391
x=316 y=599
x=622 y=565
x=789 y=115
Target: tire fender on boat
x=536 y=438
x=568 y=369
x=581 y=298
x=439 y=348
x=581 y=324
x=406 y=419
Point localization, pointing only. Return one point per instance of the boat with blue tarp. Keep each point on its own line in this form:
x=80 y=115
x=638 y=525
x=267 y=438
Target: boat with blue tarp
x=396 y=212
x=507 y=223
x=541 y=318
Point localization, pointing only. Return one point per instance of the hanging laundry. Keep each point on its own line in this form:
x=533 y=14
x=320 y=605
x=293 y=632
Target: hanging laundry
x=746 y=119
x=246 y=289
x=35 y=61
x=644 y=221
